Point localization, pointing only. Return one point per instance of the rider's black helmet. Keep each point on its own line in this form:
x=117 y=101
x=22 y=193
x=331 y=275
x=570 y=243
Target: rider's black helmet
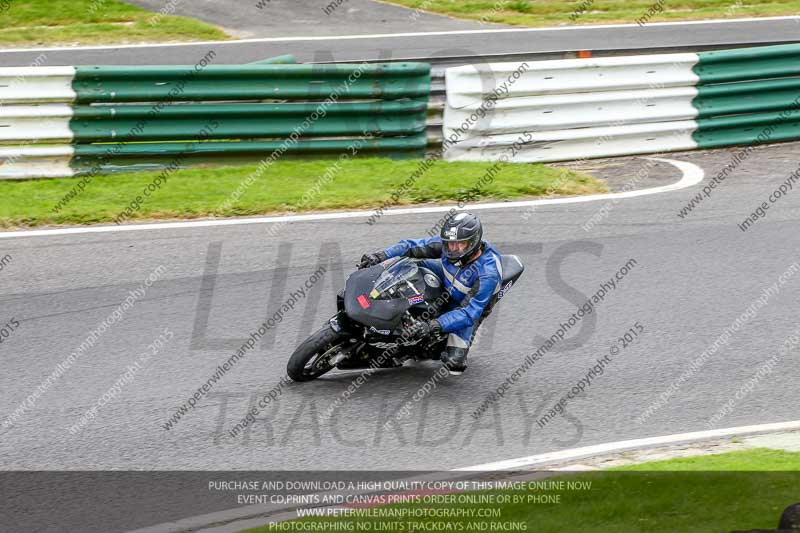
x=461 y=236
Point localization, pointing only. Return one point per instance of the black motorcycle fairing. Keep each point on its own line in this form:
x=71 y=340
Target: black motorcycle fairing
x=435 y=297
x=340 y=322
x=340 y=300
x=381 y=314
x=512 y=268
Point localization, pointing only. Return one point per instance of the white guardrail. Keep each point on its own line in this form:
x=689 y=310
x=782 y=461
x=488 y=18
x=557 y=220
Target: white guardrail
x=571 y=108
x=35 y=107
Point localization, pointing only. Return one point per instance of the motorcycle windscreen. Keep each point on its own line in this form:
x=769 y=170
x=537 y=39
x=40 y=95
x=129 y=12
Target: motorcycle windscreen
x=382 y=314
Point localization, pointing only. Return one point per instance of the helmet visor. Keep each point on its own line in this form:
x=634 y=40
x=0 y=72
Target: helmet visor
x=456 y=249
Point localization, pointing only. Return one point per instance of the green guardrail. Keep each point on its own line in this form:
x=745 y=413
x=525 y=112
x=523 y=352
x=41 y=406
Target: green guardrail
x=144 y=117
x=748 y=96
x=245 y=121
x=249 y=82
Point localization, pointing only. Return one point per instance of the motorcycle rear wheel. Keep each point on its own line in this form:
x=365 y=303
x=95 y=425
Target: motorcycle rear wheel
x=312 y=358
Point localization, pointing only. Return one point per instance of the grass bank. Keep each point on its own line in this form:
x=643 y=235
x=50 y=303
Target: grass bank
x=67 y=22
x=740 y=490
x=559 y=12
x=286 y=186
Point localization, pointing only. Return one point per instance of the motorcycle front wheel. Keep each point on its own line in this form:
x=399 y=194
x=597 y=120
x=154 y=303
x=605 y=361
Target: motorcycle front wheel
x=313 y=358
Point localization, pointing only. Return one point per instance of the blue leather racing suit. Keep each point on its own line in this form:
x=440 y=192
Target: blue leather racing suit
x=471 y=287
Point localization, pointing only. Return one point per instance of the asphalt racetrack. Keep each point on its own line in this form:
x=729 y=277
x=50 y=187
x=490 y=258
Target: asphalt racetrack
x=420 y=44
x=691 y=278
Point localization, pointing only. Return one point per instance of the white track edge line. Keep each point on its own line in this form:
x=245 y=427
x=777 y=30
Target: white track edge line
x=692 y=175
x=399 y=35
x=613 y=447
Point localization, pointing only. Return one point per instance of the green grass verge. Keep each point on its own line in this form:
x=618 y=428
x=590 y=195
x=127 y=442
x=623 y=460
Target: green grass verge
x=557 y=12
x=285 y=186
x=48 y=22
x=731 y=491
x=756 y=460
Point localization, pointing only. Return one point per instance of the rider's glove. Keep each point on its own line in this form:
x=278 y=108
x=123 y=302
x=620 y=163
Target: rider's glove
x=368 y=260
x=421 y=329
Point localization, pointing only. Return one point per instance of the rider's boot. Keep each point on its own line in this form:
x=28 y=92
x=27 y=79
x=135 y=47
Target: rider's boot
x=455 y=359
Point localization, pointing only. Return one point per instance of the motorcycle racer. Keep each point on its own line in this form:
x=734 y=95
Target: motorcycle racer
x=471 y=272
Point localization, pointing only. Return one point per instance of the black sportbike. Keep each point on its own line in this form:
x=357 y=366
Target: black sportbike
x=375 y=307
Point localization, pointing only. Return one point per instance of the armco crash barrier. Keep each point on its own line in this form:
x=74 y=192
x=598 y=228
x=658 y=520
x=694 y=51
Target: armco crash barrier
x=582 y=108
x=61 y=121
